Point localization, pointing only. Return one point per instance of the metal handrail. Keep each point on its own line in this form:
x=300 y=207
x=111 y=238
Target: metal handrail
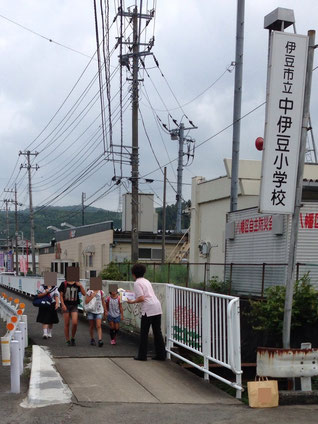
x=231 y=334
x=216 y=322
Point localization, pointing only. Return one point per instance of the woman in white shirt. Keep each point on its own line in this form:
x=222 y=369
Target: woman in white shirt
x=150 y=315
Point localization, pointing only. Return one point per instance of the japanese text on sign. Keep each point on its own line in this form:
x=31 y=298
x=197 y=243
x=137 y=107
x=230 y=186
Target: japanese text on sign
x=254 y=225
x=308 y=220
x=283 y=122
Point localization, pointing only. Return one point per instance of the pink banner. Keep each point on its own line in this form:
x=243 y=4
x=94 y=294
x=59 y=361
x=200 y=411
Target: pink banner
x=23 y=264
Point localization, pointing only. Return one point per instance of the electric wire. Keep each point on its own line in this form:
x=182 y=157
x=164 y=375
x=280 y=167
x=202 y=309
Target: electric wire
x=160 y=134
x=87 y=147
x=152 y=149
x=198 y=95
x=79 y=179
x=44 y=37
x=210 y=138
x=102 y=101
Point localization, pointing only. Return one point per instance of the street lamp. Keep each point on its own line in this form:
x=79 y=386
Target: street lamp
x=52 y=227
x=66 y=224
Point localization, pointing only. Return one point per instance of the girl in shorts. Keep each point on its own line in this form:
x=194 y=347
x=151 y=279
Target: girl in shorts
x=95 y=317
x=115 y=313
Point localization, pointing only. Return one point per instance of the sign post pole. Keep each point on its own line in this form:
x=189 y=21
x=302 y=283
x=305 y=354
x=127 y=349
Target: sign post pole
x=295 y=217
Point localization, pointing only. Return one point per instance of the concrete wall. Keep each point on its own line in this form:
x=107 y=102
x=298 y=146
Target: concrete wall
x=210 y=203
x=132 y=313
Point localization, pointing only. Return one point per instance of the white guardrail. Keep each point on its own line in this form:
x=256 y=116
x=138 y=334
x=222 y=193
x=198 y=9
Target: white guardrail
x=208 y=325
x=14 y=342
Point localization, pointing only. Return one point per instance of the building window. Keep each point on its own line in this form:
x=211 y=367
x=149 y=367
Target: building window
x=148 y=253
x=156 y=254
x=144 y=253
x=88 y=260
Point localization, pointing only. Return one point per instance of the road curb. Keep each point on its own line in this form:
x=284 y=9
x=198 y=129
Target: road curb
x=46 y=384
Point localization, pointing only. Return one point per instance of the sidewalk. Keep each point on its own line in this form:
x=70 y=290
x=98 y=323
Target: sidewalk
x=126 y=346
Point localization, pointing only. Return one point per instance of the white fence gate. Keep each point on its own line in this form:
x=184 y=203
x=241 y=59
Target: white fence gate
x=207 y=324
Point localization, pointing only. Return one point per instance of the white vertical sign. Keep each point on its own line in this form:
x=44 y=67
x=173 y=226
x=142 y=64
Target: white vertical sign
x=284 y=110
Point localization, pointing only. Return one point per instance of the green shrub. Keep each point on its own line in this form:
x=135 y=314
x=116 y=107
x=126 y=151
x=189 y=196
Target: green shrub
x=267 y=315
x=214 y=285
x=217 y=286
x=112 y=272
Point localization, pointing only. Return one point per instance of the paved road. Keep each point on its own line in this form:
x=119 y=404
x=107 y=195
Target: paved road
x=162 y=404
x=126 y=346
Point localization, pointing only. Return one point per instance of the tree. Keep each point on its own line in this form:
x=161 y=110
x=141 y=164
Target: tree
x=171 y=216
x=112 y=272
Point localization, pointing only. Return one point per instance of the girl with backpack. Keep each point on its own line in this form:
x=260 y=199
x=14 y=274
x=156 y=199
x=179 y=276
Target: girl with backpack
x=47 y=314
x=70 y=291
x=114 y=311
x=95 y=308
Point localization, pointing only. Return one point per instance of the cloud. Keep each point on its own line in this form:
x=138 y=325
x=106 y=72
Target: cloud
x=195 y=43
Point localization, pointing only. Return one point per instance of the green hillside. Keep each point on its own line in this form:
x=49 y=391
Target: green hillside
x=55 y=216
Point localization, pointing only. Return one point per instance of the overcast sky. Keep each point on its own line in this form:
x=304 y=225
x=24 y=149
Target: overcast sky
x=194 y=44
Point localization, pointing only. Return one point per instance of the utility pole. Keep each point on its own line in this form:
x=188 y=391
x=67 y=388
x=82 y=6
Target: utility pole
x=295 y=217
x=179 y=178
x=135 y=54
x=7 y=230
x=16 y=204
x=16 y=230
x=237 y=103
x=163 y=250
x=29 y=167
x=178 y=134
x=135 y=152
x=83 y=208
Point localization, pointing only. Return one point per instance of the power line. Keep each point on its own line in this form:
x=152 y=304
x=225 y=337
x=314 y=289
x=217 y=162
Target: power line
x=75 y=160
x=172 y=92
x=44 y=37
x=198 y=95
x=154 y=116
x=69 y=94
x=209 y=138
x=84 y=175
x=152 y=149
